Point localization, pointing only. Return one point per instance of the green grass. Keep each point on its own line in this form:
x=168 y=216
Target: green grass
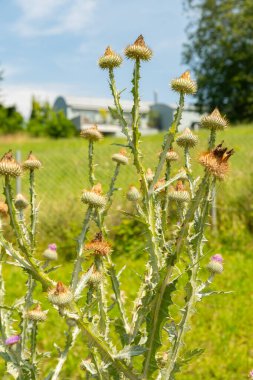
x=222 y=324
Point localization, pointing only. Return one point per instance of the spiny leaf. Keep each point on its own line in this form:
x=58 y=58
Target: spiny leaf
x=130 y=351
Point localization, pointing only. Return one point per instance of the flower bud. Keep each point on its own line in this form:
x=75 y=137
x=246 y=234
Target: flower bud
x=91 y=133
x=187 y=139
x=149 y=175
x=51 y=252
x=110 y=59
x=215 y=266
x=138 y=50
x=94 y=196
x=12 y=340
x=31 y=163
x=214 y=121
x=95 y=278
x=9 y=166
x=121 y=157
x=60 y=295
x=20 y=202
x=36 y=314
x=179 y=193
x=133 y=194
x=171 y=155
x=184 y=84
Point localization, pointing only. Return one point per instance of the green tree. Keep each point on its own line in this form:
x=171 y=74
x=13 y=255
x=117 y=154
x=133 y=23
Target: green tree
x=44 y=121
x=220 y=53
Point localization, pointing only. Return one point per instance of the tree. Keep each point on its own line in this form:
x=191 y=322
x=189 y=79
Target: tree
x=220 y=53
x=44 y=121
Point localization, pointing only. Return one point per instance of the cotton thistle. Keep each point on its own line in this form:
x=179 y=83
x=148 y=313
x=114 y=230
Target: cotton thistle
x=179 y=193
x=21 y=202
x=214 y=121
x=9 y=166
x=171 y=155
x=31 y=163
x=121 y=157
x=94 y=197
x=138 y=50
x=110 y=59
x=98 y=246
x=216 y=161
x=184 y=84
x=51 y=252
x=12 y=340
x=133 y=194
x=91 y=133
x=187 y=139
x=36 y=314
x=215 y=266
x=60 y=295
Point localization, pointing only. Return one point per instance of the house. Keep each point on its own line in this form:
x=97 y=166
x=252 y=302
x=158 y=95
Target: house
x=84 y=112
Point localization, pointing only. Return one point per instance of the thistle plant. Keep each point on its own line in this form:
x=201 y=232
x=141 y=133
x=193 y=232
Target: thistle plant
x=144 y=339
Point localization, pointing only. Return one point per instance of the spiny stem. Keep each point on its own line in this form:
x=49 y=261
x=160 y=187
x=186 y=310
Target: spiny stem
x=33 y=215
x=91 y=165
x=212 y=138
x=33 y=342
x=110 y=192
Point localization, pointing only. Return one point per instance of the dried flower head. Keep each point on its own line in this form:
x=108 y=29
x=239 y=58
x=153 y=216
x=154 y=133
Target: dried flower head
x=51 y=252
x=121 y=157
x=60 y=295
x=31 y=163
x=12 y=340
x=187 y=139
x=138 y=50
x=214 y=121
x=179 y=193
x=9 y=166
x=149 y=175
x=21 y=202
x=159 y=184
x=94 y=196
x=110 y=59
x=216 y=161
x=133 y=194
x=3 y=209
x=171 y=155
x=91 y=133
x=215 y=266
x=98 y=246
x=36 y=314
x=184 y=84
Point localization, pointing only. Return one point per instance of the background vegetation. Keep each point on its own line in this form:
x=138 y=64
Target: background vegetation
x=224 y=324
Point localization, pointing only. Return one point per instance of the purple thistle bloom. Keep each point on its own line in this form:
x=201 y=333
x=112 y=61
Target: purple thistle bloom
x=52 y=246
x=12 y=340
x=217 y=258
x=251 y=374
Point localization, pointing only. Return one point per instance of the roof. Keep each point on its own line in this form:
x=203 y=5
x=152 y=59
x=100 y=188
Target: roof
x=97 y=103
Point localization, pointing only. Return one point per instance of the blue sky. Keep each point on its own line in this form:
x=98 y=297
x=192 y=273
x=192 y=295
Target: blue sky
x=51 y=47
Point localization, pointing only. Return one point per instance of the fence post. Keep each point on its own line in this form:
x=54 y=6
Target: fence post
x=18 y=179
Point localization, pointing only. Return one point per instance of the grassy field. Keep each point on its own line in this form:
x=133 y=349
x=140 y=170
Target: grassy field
x=222 y=324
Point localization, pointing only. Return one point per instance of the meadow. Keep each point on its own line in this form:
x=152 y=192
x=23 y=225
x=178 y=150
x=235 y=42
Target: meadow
x=223 y=324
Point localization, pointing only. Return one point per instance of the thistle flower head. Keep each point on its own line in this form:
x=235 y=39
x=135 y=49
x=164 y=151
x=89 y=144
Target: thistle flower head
x=98 y=246
x=36 y=314
x=50 y=253
x=171 y=155
x=138 y=50
x=121 y=157
x=110 y=59
x=184 y=84
x=94 y=196
x=149 y=175
x=31 y=163
x=95 y=278
x=12 y=340
x=187 y=139
x=9 y=166
x=216 y=161
x=3 y=209
x=91 y=133
x=133 y=194
x=159 y=184
x=215 y=265
x=179 y=193
x=20 y=202
x=60 y=295
x=214 y=121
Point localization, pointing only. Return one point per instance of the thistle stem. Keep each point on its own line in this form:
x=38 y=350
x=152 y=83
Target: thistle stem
x=91 y=164
x=33 y=216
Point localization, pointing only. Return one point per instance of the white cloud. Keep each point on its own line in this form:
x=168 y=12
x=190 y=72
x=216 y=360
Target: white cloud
x=21 y=95
x=53 y=17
